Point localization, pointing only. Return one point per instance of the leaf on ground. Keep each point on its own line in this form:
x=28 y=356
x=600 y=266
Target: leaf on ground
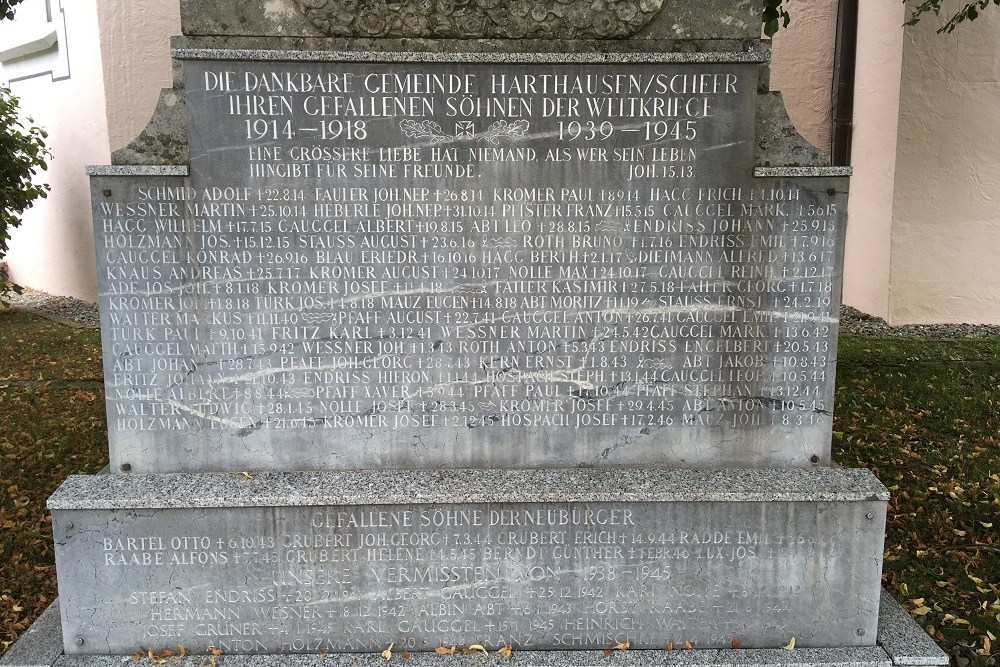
x=387 y=654
x=735 y=642
x=624 y=646
x=670 y=646
x=688 y=645
x=790 y=646
x=442 y=650
x=477 y=648
x=506 y=651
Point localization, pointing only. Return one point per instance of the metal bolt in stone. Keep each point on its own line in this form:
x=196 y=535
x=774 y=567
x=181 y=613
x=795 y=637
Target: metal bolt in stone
x=69 y=526
x=831 y=191
x=126 y=467
x=860 y=632
x=107 y=192
x=870 y=515
x=79 y=641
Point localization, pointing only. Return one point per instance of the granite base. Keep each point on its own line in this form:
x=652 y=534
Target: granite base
x=900 y=642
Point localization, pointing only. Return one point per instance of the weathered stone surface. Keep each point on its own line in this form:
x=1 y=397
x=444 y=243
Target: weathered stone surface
x=778 y=142
x=297 y=577
x=373 y=487
x=426 y=236
x=839 y=657
x=164 y=141
x=899 y=631
x=470 y=19
x=559 y=19
x=904 y=641
x=40 y=645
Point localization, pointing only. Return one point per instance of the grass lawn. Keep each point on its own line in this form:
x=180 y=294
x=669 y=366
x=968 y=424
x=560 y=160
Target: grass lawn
x=925 y=416
x=52 y=425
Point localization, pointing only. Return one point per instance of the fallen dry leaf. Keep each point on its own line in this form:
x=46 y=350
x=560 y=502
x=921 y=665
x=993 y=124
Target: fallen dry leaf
x=441 y=650
x=387 y=654
x=506 y=651
x=670 y=646
x=790 y=646
x=405 y=654
x=608 y=652
x=688 y=645
x=735 y=642
x=478 y=648
x=246 y=474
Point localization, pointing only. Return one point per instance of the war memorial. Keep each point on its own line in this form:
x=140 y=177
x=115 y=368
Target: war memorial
x=466 y=323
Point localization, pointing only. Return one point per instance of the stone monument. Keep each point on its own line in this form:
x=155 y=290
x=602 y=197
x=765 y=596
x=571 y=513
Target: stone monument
x=457 y=323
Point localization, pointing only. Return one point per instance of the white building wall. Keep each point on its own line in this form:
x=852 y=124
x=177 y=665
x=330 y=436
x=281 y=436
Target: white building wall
x=54 y=248
x=135 y=46
x=802 y=69
x=946 y=227
x=93 y=92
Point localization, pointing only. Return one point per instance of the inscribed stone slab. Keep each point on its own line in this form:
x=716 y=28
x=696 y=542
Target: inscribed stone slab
x=423 y=265
x=569 y=575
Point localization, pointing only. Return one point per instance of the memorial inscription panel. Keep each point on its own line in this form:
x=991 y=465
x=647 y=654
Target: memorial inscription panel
x=435 y=264
x=542 y=576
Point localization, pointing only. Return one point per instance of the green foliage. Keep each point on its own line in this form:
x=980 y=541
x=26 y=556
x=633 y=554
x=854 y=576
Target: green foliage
x=969 y=12
x=22 y=154
x=7 y=8
x=775 y=16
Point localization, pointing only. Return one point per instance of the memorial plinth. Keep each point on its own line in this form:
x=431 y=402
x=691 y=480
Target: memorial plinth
x=366 y=559
x=472 y=324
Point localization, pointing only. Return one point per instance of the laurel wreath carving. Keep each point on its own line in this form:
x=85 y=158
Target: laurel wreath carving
x=502 y=129
x=428 y=129
x=468 y=19
x=424 y=129
x=499 y=242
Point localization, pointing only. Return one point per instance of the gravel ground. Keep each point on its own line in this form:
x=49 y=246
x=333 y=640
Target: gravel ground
x=852 y=321
x=62 y=308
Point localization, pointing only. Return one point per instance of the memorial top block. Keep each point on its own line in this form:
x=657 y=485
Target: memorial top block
x=469 y=264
